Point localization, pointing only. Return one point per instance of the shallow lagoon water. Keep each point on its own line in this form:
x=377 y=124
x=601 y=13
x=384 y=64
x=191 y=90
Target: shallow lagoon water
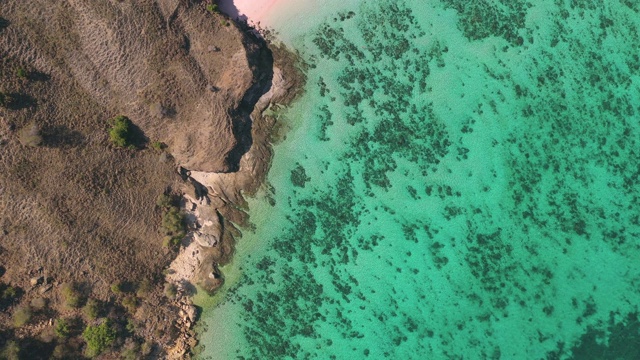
x=460 y=180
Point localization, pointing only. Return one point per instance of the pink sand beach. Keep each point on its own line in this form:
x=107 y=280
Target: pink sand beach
x=255 y=11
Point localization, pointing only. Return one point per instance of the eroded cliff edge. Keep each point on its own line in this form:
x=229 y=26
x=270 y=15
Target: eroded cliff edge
x=77 y=210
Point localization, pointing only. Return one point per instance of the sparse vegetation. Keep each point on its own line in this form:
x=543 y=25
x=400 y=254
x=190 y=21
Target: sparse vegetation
x=21 y=316
x=99 y=338
x=121 y=132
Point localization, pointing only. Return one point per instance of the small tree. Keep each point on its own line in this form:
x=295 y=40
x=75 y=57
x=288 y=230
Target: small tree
x=120 y=133
x=99 y=338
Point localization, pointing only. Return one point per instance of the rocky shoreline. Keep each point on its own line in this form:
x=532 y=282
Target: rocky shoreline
x=214 y=201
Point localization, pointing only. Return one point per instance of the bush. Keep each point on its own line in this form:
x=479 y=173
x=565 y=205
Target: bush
x=116 y=288
x=144 y=288
x=165 y=201
x=30 y=135
x=213 y=8
x=22 y=73
x=61 y=351
x=158 y=145
x=130 y=302
x=21 y=316
x=11 y=351
x=173 y=222
x=8 y=292
x=146 y=348
x=38 y=303
x=71 y=295
x=170 y=290
x=99 y=338
x=121 y=133
x=62 y=328
x=91 y=309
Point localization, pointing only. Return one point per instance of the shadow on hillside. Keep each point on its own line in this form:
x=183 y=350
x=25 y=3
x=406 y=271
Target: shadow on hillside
x=61 y=136
x=4 y=23
x=137 y=138
x=38 y=76
x=260 y=61
x=229 y=8
x=21 y=101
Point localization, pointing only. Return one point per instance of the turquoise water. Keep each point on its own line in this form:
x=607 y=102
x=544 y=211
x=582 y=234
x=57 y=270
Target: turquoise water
x=459 y=181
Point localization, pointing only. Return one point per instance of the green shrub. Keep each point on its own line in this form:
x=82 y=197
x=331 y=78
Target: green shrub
x=9 y=292
x=71 y=295
x=165 y=201
x=91 y=309
x=121 y=133
x=131 y=326
x=173 y=222
x=144 y=288
x=213 y=8
x=158 y=145
x=62 y=328
x=116 y=288
x=99 y=337
x=11 y=351
x=21 y=316
x=130 y=302
x=22 y=73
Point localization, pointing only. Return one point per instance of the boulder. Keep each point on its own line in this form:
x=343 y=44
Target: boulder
x=191 y=312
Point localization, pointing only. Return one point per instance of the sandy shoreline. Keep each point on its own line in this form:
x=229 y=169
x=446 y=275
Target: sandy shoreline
x=249 y=10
